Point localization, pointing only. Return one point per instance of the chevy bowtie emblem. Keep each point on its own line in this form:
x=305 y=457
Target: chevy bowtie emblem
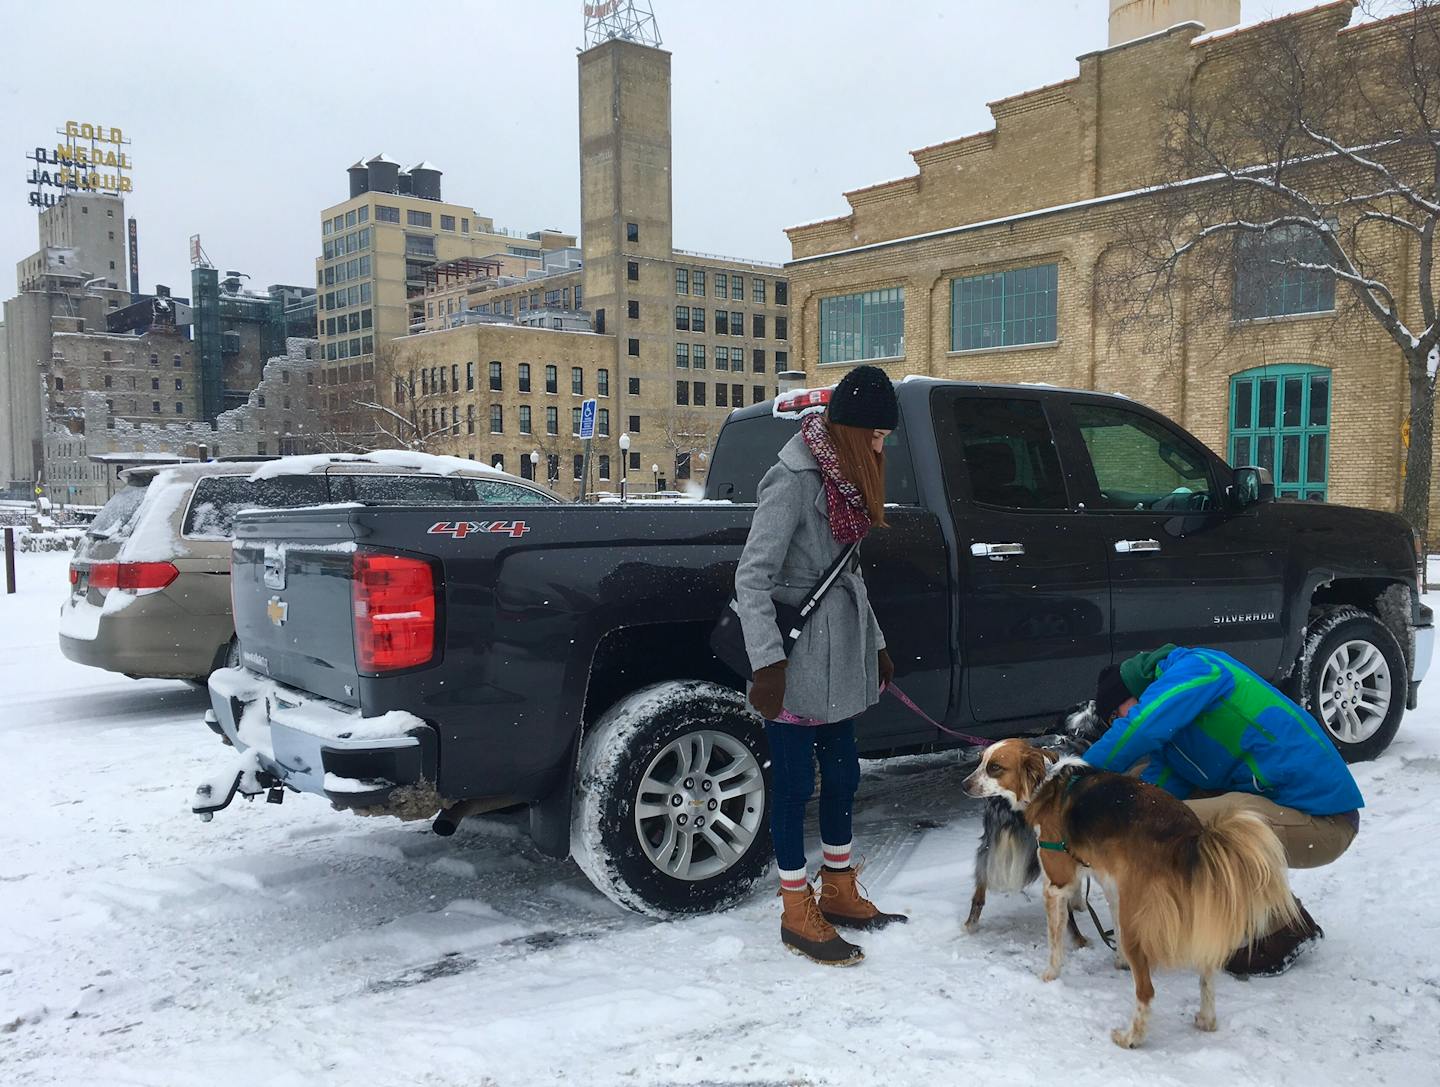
x=278 y=610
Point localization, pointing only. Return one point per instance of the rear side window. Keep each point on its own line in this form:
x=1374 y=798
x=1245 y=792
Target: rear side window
x=500 y=493
x=1008 y=451
x=748 y=448
x=218 y=499
x=116 y=520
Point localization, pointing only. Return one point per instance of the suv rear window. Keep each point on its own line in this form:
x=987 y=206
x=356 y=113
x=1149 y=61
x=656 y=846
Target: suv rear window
x=117 y=518
x=218 y=499
x=380 y=490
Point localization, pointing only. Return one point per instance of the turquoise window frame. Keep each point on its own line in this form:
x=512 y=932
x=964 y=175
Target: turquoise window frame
x=863 y=327
x=1279 y=418
x=1013 y=308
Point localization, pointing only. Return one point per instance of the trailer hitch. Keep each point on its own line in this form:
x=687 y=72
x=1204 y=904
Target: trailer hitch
x=243 y=776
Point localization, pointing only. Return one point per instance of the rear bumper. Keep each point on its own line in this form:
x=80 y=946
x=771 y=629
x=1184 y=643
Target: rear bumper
x=146 y=638
x=314 y=745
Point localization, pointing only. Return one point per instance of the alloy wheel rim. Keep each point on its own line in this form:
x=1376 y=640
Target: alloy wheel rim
x=699 y=805
x=1355 y=691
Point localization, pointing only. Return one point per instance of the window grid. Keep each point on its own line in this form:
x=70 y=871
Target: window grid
x=1280 y=420
x=1004 y=309
x=854 y=327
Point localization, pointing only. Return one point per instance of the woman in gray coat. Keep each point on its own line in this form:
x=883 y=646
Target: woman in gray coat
x=826 y=492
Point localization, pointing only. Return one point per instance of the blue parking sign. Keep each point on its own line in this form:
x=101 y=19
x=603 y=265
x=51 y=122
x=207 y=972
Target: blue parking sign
x=587 y=420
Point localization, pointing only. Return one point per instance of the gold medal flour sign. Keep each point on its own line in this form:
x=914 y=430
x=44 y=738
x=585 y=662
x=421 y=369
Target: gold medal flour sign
x=90 y=158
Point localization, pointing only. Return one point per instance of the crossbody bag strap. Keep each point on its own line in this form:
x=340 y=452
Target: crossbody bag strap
x=827 y=579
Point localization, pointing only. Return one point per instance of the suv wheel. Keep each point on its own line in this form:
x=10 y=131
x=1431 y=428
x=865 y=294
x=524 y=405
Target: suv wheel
x=670 y=810
x=1354 y=679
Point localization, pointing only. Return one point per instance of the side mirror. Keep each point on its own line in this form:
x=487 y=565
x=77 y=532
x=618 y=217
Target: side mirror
x=1252 y=486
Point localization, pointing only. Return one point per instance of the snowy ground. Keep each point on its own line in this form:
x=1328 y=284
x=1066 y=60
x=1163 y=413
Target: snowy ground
x=295 y=945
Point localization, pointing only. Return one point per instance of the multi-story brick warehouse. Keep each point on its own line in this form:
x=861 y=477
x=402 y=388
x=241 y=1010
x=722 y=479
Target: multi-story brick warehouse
x=681 y=338
x=985 y=263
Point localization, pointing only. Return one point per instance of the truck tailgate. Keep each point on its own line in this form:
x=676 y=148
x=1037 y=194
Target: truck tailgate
x=292 y=603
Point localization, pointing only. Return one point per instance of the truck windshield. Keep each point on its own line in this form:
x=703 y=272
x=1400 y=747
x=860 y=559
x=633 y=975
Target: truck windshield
x=748 y=448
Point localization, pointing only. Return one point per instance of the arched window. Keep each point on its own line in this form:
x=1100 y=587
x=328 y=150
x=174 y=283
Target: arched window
x=1280 y=420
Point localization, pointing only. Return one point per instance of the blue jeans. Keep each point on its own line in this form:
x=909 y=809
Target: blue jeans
x=792 y=757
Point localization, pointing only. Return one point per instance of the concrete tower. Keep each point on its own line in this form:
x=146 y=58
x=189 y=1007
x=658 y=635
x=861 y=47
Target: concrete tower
x=1131 y=19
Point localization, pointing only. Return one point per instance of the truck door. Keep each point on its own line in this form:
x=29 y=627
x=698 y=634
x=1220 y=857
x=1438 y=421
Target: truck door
x=1034 y=592
x=1183 y=567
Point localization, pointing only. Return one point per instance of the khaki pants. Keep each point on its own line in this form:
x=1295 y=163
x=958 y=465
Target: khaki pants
x=1309 y=840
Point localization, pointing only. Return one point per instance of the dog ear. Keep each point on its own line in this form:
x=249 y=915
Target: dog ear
x=1032 y=771
x=1049 y=755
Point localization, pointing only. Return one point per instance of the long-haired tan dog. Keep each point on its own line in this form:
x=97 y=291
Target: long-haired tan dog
x=1189 y=893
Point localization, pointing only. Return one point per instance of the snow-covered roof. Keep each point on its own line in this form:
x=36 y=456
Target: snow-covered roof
x=383 y=157
x=426 y=165
x=388 y=458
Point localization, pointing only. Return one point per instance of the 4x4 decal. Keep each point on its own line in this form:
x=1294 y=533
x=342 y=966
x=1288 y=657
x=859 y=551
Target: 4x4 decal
x=461 y=529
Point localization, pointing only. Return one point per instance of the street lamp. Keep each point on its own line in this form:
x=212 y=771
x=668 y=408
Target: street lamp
x=535 y=464
x=655 y=471
x=624 y=464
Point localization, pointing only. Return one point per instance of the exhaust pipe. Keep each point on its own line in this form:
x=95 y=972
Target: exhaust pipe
x=449 y=819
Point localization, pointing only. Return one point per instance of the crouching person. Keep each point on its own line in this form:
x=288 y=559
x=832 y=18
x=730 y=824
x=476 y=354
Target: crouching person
x=1213 y=733
x=826 y=492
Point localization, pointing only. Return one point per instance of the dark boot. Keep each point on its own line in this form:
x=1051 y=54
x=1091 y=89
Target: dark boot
x=1270 y=956
x=805 y=932
x=844 y=904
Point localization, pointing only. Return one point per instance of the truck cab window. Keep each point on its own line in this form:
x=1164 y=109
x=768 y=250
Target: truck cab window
x=1141 y=464
x=1008 y=452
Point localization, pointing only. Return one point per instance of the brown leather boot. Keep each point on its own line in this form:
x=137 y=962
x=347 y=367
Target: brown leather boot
x=842 y=902
x=1271 y=955
x=805 y=932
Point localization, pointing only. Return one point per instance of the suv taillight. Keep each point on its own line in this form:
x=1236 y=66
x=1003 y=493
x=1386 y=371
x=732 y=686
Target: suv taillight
x=133 y=577
x=394 y=609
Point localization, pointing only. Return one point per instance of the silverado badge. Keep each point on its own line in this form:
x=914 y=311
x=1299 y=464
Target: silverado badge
x=278 y=610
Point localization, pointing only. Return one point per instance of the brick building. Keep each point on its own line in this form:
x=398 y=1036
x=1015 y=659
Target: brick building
x=983 y=265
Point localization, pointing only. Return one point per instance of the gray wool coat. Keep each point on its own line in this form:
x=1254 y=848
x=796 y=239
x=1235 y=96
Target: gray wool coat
x=833 y=673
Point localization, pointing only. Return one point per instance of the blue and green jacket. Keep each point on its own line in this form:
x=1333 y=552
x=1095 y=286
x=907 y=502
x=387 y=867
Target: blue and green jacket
x=1207 y=722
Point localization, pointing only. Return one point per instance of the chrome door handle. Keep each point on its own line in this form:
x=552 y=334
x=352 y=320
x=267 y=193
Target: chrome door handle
x=996 y=551
x=1125 y=547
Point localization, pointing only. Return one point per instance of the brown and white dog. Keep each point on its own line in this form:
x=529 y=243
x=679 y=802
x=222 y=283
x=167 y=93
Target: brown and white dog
x=1188 y=893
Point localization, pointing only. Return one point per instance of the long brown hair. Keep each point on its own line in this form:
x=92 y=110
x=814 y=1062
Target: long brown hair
x=862 y=466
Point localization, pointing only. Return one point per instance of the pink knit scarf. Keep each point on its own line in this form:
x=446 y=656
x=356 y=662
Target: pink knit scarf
x=849 y=519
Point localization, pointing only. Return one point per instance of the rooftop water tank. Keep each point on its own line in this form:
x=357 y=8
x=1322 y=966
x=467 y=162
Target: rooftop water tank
x=425 y=181
x=384 y=174
x=359 y=179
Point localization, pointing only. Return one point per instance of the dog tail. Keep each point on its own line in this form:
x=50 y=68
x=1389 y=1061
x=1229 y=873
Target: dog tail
x=1239 y=887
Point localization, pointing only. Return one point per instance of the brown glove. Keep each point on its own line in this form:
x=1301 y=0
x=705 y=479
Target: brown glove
x=767 y=690
x=887 y=669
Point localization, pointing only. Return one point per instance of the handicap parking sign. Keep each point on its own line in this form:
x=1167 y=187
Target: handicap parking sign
x=587 y=420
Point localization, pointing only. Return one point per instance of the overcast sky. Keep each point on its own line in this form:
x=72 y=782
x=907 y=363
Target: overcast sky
x=245 y=116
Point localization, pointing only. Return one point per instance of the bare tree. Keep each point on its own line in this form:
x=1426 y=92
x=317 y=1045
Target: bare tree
x=406 y=422
x=1315 y=169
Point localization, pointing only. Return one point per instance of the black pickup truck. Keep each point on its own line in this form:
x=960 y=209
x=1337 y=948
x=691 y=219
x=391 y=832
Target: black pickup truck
x=456 y=659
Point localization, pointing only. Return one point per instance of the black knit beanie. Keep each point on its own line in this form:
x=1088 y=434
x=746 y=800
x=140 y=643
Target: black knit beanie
x=1110 y=692
x=865 y=398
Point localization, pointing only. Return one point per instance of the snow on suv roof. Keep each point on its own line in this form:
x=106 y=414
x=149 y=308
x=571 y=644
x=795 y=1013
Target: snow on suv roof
x=401 y=459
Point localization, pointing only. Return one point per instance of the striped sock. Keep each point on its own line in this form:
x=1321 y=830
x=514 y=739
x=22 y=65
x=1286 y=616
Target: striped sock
x=794 y=879
x=837 y=856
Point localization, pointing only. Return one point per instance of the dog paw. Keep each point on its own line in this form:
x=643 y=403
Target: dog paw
x=971 y=926
x=1120 y=963
x=1080 y=941
x=1125 y=1039
x=1205 y=1022
x=1050 y=974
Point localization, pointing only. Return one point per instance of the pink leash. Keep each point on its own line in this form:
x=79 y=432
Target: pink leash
x=974 y=741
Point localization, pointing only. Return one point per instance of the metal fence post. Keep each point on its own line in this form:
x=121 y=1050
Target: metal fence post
x=9 y=561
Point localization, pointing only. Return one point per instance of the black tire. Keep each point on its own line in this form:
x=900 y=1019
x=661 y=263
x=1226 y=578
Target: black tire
x=1327 y=637
x=639 y=736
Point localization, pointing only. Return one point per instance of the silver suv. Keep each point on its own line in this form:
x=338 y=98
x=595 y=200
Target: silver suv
x=150 y=584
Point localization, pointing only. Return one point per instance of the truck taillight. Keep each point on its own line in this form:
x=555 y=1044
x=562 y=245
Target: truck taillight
x=133 y=577
x=394 y=608
x=801 y=399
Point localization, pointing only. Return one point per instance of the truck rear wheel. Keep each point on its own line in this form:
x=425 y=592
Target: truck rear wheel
x=1354 y=680
x=670 y=808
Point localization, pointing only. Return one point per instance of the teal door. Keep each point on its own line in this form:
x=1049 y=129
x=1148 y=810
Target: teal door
x=1280 y=420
